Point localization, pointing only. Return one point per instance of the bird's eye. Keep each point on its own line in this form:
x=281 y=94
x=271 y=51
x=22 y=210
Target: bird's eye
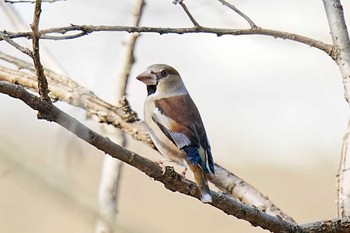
x=164 y=73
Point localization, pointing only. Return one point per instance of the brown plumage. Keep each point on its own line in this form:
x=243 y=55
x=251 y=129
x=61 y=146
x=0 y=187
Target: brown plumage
x=175 y=125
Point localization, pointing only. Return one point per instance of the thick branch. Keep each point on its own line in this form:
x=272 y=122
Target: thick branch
x=341 y=225
x=341 y=41
x=4 y=36
x=124 y=118
x=171 y=180
x=240 y=190
x=82 y=30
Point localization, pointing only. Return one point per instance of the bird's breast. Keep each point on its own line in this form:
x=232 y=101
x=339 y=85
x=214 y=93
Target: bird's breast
x=166 y=147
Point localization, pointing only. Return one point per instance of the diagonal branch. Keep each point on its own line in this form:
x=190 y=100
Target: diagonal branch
x=188 y=13
x=123 y=117
x=235 y=9
x=5 y=37
x=171 y=180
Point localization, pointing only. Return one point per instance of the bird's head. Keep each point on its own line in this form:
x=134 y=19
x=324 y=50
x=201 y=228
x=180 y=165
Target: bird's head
x=162 y=79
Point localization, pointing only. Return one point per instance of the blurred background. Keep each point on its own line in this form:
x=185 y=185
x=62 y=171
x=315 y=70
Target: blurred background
x=273 y=109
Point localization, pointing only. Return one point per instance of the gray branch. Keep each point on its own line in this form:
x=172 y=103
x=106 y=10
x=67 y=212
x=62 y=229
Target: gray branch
x=171 y=180
x=122 y=117
x=340 y=37
x=83 y=30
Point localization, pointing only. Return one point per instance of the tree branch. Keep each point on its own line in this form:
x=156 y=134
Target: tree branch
x=30 y=1
x=83 y=30
x=341 y=41
x=188 y=13
x=235 y=9
x=4 y=36
x=171 y=180
x=124 y=118
x=341 y=225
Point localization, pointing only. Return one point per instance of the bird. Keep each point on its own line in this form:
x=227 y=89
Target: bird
x=175 y=125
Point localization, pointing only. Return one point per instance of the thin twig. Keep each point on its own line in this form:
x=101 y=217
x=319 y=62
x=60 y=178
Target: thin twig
x=42 y=82
x=195 y=23
x=235 y=9
x=30 y=1
x=171 y=180
x=24 y=50
x=87 y=29
x=340 y=225
x=21 y=25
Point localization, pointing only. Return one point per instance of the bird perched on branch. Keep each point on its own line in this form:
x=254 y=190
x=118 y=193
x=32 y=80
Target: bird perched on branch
x=175 y=125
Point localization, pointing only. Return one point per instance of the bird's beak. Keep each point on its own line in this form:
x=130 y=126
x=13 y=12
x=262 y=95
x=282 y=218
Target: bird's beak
x=147 y=78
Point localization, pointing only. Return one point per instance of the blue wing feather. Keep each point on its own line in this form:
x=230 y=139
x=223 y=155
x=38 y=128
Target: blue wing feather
x=179 y=119
x=194 y=157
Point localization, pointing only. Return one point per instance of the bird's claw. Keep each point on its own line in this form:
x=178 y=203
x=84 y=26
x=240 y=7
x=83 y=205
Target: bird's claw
x=162 y=166
x=183 y=173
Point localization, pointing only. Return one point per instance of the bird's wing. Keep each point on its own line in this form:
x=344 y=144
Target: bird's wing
x=179 y=119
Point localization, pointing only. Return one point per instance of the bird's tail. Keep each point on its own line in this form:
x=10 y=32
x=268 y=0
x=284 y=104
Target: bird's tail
x=202 y=181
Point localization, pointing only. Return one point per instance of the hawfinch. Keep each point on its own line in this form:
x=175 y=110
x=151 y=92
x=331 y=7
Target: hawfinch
x=175 y=125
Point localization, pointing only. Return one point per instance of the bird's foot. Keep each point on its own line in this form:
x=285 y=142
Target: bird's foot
x=161 y=165
x=183 y=173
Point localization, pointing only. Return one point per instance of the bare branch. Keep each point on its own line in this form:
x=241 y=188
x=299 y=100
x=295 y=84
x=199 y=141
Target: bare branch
x=341 y=41
x=343 y=185
x=30 y=1
x=235 y=9
x=171 y=180
x=341 y=225
x=240 y=190
x=42 y=82
x=64 y=89
x=188 y=13
x=24 y=50
x=20 y=24
x=87 y=29
x=121 y=116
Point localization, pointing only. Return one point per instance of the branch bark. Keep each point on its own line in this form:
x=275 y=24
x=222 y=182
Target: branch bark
x=83 y=30
x=340 y=37
x=171 y=180
x=123 y=117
